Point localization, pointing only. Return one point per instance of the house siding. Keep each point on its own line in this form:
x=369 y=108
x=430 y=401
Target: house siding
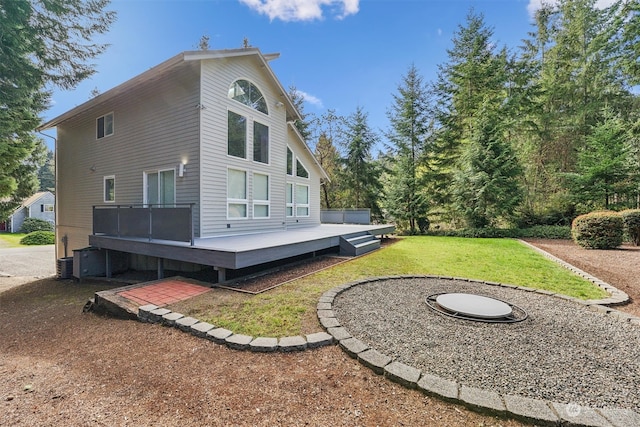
x=217 y=77
x=33 y=210
x=156 y=126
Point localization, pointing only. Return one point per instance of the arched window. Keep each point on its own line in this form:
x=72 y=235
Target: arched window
x=247 y=93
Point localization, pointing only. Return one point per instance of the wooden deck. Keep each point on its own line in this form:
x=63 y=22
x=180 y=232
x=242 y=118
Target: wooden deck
x=239 y=251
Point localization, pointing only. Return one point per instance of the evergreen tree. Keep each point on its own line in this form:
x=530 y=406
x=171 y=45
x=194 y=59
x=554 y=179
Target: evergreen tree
x=475 y=71
x=329 y=158
x=486 y=187
x=44 y=43
x=303 y=125
x=604 y=166
x=411 y=130
x=360 y=174
x=47 y=173
x=573 y=52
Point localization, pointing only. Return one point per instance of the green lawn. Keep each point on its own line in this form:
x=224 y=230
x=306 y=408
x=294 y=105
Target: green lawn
x=10 y=240
x=290 y=309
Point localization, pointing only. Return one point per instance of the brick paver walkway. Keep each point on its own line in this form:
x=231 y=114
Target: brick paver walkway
x=163 y=292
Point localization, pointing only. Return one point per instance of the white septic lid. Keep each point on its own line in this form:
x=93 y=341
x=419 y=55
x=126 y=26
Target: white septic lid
x=474 y=305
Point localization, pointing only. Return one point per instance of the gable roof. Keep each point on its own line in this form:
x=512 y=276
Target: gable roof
x=31 y=200
x=180 y=60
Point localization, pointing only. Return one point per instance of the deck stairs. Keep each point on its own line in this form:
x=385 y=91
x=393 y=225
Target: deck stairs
x=358 y=244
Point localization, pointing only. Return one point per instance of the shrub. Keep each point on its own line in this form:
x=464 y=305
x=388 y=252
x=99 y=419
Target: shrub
x=35 y=224
x=598 y=230
x=39 y=238
x=631 y=220
x=538 y=231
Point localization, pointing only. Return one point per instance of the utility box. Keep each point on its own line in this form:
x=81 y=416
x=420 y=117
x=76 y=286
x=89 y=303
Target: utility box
x=65 y=268
x=88 y=262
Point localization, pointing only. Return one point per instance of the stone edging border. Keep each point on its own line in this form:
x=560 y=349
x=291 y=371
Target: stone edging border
x=151 y=313
x=616 y=295
x=523 y=408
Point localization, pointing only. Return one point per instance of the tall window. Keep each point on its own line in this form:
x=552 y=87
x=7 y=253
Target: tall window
x=289 y=199
x=237 y=135
x=109 y=189
x=302 y=200
x=289 y=161
x=236 y=194
x=161 y=187
x=247 y=93
x=104 y=126
x=260 y=196
x=260 y=143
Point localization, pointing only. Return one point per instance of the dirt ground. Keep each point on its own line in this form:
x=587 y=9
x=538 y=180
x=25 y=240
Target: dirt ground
x=60 y=367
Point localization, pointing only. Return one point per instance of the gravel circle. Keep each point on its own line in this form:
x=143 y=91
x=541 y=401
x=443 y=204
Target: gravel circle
x=563 y=352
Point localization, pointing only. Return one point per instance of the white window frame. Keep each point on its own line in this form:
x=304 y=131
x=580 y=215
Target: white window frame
x=145 y=183
x=292 y=163
x=104 y=122
x=246 y=134
x=233 y=201
x=253 y=142
x=302 y=205
x=260 y=202
x=104 y=188
x=295 y=168
x=249 y=105
x=48 y=207
x=290 y=205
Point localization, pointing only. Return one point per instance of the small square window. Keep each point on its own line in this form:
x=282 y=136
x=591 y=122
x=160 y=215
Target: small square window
x=104 y=126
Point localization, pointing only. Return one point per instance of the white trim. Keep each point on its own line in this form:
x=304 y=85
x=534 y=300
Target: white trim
x=253 y=141
x=113 y=125
x=260 y=202
x=145 y=184
x=104 y=188
x=231 y=201
x=246 y=135
x=266 y=103
x=302 y=205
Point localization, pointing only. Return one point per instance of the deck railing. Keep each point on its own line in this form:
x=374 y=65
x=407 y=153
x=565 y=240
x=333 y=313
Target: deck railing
x=345 y=216
x=155 y=222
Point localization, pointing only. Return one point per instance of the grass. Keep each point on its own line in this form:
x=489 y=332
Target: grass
x=290 y=309
x=10 y=240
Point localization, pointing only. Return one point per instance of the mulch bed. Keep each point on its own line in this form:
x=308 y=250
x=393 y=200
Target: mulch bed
x=276 y=277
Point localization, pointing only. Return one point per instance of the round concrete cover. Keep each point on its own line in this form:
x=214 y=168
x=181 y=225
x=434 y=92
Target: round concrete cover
x=474 y=305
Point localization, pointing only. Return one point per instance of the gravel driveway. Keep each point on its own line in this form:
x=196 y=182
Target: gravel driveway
x=23 y=264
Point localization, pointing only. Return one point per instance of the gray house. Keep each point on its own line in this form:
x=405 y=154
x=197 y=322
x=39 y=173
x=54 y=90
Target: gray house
x=41 y=205
x=195 y=162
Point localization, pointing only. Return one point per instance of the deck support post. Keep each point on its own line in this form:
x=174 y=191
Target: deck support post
x=222 y=274
x=107 y=261
x=160 y=268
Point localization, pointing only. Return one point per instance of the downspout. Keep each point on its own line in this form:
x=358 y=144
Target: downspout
x=55 y=200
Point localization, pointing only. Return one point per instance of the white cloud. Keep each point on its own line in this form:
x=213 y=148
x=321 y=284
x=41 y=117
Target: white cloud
x=303 y=10
x=534 y=5
x=311 y=99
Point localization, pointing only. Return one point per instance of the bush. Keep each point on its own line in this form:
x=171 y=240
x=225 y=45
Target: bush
x=598 y=230
x=539 y=231
x=35 y=224
x=631 y=220
x=39 y=238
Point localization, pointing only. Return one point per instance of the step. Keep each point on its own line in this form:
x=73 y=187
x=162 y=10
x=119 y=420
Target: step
x=359 y=239
x=355 y=245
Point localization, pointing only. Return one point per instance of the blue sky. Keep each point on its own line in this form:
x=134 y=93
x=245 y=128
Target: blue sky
x=340 y=53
